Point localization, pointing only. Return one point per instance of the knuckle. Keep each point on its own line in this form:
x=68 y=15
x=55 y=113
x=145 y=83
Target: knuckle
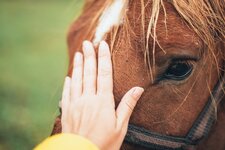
x=73 y=107
x=65 y=95
x=89 y=71
x=77 y=64
x=64 y=120
x=62 y=105
x=124 y=130
x=103 y=55
x=105 y=72
x=118 y=131
x=129 y=105
x=121 y=131
x=77 y=80
x=89 y=54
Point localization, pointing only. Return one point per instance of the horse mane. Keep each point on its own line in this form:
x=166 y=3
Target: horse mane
x=205 y=17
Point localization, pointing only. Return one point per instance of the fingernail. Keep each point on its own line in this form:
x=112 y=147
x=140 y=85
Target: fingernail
x=103 y=44
x=86 y=45
x=103 y=49
x=77 y=57
x=67 y=82
x=137 y=92
x=67 y=79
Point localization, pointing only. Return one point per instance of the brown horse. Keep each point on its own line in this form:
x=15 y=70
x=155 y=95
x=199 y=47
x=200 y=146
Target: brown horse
x=175 y=50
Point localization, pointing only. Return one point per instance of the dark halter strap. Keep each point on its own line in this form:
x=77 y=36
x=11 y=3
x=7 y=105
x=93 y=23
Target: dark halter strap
x=199 y=130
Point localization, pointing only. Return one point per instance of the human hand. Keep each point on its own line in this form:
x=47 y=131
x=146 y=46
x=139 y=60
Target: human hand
x=88 y=107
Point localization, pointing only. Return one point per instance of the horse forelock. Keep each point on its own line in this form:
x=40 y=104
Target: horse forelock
x=111 y=16
x=206 y=18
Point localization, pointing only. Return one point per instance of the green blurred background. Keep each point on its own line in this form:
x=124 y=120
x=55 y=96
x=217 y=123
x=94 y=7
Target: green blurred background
x=33 y=63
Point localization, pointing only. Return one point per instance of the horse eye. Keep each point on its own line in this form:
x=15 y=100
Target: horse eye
x=178 y=71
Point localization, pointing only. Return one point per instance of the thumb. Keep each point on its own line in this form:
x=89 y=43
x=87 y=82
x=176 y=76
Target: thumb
x=127 y=105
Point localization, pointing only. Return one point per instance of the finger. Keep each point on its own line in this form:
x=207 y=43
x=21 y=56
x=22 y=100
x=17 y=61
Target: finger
x=65 y=103
x=127 y=105
x=77 y=76
x=104 y=81
x=89 y=82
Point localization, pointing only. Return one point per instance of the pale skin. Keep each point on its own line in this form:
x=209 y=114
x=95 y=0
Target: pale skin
x=88 y=107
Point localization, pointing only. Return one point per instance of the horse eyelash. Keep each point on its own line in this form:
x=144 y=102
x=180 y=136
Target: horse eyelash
x=161 y=76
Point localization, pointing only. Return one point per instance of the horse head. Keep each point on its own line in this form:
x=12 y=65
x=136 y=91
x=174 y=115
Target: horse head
x=172 y=48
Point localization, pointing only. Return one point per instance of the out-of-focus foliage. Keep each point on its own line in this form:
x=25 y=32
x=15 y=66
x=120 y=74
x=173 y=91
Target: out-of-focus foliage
x=33 y=63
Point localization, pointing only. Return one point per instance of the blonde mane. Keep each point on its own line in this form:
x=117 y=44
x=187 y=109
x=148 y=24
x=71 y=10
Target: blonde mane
x=206 y=18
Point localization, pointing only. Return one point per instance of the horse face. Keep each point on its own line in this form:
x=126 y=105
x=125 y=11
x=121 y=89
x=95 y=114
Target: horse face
x=183 y=72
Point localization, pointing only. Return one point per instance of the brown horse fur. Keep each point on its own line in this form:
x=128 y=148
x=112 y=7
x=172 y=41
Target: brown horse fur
x=152 y=35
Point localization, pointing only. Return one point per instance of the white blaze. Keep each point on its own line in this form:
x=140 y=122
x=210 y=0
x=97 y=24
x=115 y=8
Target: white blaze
x=112 y=16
